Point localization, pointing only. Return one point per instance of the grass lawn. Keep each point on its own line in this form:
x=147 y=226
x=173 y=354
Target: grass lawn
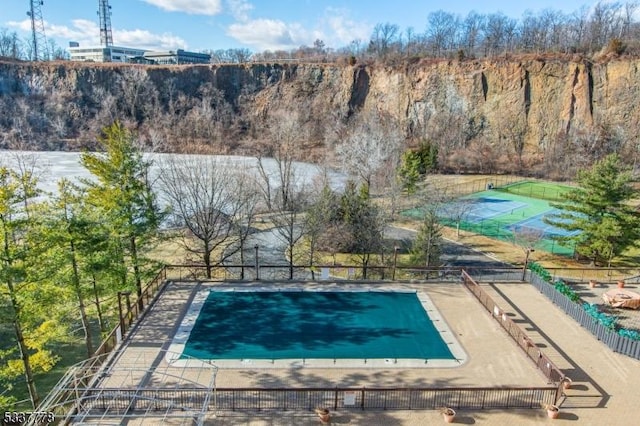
x=70 y=353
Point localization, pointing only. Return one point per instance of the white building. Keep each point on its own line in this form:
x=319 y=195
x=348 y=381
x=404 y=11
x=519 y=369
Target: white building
x=103 y=54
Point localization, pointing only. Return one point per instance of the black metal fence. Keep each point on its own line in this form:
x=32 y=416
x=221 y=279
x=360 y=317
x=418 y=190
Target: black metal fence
x=120 y=401
x=613 y=340
x=383 y=398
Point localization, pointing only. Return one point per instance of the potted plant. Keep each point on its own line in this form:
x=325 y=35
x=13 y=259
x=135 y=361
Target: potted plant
x=593 y=283
x=620 y=283
x=323 y=414
x=553 y=411
x=566 y=383
x=448 y=413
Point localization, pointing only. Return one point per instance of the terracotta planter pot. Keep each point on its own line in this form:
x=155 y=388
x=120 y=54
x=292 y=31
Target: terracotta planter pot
x=449 y=415
x=323 y=415
x=553 y=412
x=593 y=284
x=566 y=383
x=620 y=284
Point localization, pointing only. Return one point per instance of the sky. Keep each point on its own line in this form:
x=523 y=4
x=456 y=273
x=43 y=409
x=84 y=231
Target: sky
x=257 y=25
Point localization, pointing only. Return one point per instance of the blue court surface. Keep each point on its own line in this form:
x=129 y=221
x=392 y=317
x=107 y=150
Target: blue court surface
x=536 y=224
x=480 y=209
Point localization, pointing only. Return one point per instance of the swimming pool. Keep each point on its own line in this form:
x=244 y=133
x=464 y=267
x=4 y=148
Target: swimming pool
x=309 y=327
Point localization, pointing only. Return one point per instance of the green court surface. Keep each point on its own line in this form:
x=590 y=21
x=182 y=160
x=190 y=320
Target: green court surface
x=541 y=190
x=496 y=214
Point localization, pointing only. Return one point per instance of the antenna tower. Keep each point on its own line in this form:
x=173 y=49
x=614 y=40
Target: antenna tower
x=104 y=11
x=39 y=40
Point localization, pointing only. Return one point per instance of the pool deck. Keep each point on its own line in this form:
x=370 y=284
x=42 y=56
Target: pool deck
x=604 y=383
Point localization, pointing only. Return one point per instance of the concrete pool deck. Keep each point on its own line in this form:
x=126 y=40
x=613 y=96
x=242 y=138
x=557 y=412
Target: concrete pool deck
x=603 y=390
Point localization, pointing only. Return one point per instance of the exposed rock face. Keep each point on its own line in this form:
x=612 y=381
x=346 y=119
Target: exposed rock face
x=542 y=98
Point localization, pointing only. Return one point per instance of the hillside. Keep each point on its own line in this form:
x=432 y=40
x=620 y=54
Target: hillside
x=529 y=110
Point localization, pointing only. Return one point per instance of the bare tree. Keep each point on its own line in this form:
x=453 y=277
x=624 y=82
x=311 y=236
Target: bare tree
x=203 y=198
x=373 y=141
x=458 y=210
x=442 y=31
x=286 y=143
x=383 y=37
x=527 y=239
x=247 y=197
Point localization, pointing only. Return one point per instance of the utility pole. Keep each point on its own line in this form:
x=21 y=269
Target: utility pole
x=104 y=12
x=38 y=38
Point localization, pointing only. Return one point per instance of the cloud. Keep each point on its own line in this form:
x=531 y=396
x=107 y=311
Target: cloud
x=334 y=27
x=240 y=9
x=144 y=39
x=270 y=34
x=87 y=34
x=341 y=30
x=192 y=7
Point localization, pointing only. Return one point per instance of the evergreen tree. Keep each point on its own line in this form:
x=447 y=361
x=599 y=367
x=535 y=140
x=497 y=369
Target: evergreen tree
x=25 y=300
x=124 y=197
x=364 y=222
x=600 y=210
x=427 y=247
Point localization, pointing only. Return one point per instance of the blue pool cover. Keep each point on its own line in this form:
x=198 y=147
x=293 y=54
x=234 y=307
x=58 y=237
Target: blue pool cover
x=307 y=324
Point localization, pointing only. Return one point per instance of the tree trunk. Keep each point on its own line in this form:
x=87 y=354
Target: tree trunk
x=136 y=272
x=83 y=314
x=103 y=326
x=241 y=259
x=24 y=354
x=22 y=346
x=207 y=260
x=291 y=261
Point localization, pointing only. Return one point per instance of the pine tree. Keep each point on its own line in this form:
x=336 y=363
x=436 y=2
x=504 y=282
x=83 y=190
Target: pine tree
x=427 y=247
x=25 y=300
x=600 y=210
x=124 y=197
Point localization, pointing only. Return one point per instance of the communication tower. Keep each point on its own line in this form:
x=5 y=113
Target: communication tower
x=39 y=40
x=104 y=12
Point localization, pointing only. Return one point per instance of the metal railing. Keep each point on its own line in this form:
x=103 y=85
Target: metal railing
x=370 y=398
x=543 y=362
x=118 y=401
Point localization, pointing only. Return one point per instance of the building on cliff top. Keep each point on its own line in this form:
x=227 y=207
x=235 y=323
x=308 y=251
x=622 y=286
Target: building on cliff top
x=134 y=55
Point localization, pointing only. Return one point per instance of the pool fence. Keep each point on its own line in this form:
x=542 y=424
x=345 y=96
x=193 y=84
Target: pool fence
x=350 y=398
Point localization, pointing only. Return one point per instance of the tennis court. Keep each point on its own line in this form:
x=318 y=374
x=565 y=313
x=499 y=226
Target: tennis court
x=534 y=189
x=482 y=208
x=499 y=214
x=537 y=224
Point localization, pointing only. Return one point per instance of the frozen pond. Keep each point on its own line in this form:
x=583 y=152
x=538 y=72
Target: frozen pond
x=55 y=165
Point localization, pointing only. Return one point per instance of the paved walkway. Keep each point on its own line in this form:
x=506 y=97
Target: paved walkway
x=604 y=392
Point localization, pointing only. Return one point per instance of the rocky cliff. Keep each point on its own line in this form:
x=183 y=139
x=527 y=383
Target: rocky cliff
x=525 y=103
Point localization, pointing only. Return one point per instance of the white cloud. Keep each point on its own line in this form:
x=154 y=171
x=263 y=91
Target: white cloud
x=144 y=39
x=334 y=27
x=240 y=9
x=342 y=30
x=87 y=33
x=20 y=25
x=192 y=7
x=270 y=34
